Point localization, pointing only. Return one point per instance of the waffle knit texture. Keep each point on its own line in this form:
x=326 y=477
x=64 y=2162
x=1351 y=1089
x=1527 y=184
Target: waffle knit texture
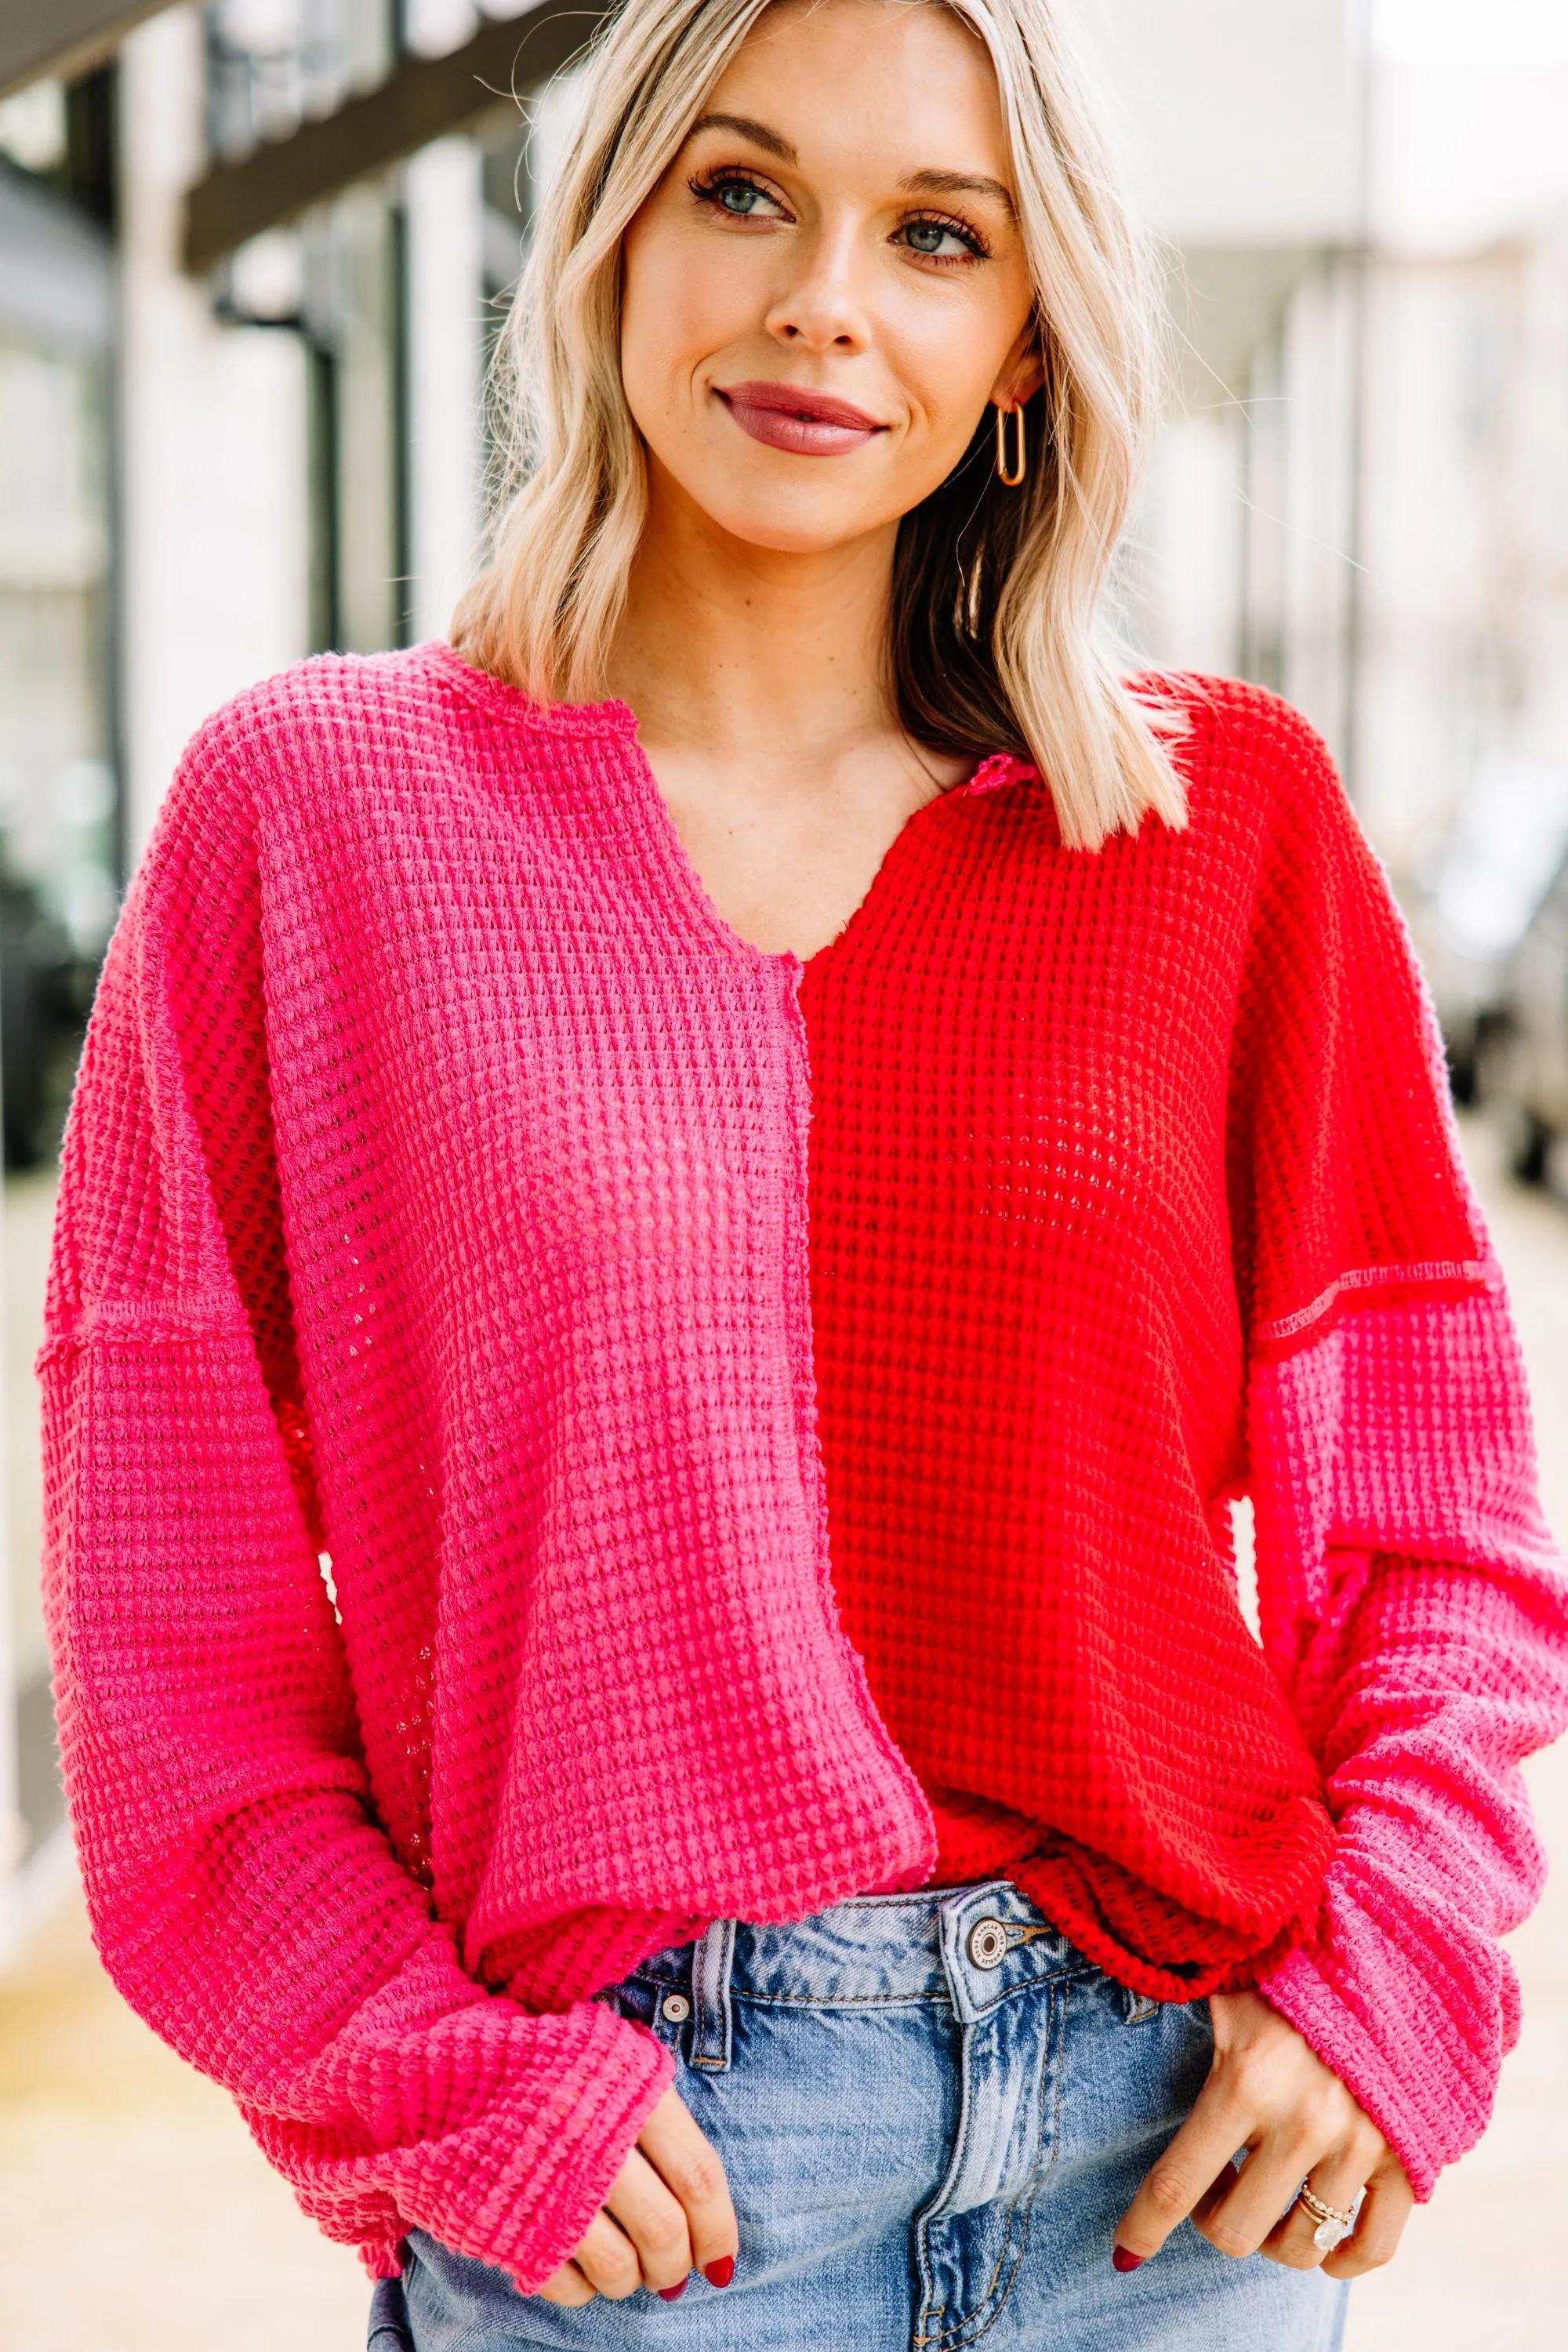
x=437 y=1504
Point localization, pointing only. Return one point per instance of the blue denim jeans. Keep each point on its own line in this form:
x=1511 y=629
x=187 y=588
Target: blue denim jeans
x=932 y=2111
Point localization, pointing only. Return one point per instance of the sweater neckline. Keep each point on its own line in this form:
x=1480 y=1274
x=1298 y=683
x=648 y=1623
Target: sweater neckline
x=1000 y=768
x=517 y=708
x=612 y=717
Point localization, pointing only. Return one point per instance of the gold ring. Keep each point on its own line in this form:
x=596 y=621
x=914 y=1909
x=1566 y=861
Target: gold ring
x=1333 y=2226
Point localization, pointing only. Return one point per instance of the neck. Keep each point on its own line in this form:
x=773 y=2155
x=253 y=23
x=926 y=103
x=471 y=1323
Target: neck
x=730 y=649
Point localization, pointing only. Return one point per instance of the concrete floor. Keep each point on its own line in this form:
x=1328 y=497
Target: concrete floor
x=136 y=2216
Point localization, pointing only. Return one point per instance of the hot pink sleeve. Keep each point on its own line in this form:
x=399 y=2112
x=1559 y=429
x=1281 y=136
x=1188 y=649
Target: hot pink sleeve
x=243 y=1895
x=1414 y=1608
x=1411 y=1598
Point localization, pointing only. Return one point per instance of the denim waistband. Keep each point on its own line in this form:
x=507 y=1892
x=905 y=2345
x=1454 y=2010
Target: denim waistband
x=971 y=1946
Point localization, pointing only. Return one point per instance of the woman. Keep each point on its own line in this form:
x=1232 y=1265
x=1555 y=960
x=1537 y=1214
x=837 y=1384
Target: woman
x=540 y=1174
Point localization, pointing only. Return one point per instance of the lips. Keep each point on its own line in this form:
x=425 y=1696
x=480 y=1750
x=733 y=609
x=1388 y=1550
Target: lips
x=808 y=424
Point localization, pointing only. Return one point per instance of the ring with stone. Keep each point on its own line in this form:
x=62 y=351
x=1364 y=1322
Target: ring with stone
x=1333 y=2226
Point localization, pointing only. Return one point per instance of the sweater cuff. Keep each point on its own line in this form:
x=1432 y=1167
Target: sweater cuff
x=1428 y=2112
x=615 y=2091
x=525 y=2203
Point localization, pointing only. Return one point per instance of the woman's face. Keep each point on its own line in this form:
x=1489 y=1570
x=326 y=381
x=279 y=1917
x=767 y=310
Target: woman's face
x=828 y=284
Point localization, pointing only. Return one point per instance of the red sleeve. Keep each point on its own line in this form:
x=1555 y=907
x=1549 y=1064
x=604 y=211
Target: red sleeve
x=1345 y=1183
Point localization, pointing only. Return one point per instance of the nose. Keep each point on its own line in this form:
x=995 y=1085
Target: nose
x=823 y=308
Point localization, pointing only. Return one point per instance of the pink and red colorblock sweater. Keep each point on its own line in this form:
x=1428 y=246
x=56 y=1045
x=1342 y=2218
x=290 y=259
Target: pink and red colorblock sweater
x=447 y=1190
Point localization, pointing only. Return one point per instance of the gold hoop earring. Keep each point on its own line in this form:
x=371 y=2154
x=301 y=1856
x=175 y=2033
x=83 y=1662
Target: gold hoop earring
x=1020 y=465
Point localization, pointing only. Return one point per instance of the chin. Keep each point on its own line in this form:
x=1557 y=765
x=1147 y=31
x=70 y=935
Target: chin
x=813 y=526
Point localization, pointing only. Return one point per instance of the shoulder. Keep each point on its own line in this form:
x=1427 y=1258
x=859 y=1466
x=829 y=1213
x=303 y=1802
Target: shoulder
x=371 y=707
x=1238 y=741
x=334 y=707
x=1321 y=914
x=295 y=748
x=1262 y=784
x=266 y=758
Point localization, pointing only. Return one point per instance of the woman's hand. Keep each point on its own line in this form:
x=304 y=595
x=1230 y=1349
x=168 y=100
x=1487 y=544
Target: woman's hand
x=668 y=2212
x=1270 y=2093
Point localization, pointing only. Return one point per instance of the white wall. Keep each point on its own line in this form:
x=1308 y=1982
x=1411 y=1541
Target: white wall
x=215 y=550
x=1471 y=107
x=1466 y=153
x=1241 y=114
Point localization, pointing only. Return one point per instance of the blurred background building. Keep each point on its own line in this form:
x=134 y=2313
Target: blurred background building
x=253 y=257
x=251 y=260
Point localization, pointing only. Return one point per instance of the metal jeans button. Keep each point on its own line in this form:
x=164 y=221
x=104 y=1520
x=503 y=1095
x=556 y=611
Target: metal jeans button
x=988 y=1943
x=677 y=2008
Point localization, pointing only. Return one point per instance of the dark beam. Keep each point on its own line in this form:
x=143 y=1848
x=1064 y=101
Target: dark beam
x=65 y=37
x=422 y=98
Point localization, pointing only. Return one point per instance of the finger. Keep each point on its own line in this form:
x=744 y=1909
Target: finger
x=608 y=2260
x=1244 y=2214
x=692 y=2169
x=1337 y=2181
x=654 y=2221
x=1199 y=2154
x=568 y=2287
x=1389 y=2201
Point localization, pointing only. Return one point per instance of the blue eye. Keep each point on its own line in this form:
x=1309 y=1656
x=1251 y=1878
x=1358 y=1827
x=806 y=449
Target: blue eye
x=938 y=240
x=731 y=193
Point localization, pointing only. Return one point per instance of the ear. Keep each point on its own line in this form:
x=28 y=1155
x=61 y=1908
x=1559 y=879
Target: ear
x=1022 y=372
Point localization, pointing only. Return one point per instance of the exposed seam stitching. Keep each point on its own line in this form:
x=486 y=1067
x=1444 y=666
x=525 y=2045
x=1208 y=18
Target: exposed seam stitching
x=1371 y=1277
x=132 y=1323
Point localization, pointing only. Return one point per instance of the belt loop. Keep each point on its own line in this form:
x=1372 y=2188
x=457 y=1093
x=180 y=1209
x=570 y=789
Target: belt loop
x=712 y=1957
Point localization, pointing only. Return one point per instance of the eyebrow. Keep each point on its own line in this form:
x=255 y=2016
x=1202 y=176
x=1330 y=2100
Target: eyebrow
x=918 y=184
x=744 y=128
x=959 y=183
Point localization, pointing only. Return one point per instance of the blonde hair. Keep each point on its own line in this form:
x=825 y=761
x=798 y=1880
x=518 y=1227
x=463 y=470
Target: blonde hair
x=996 y=638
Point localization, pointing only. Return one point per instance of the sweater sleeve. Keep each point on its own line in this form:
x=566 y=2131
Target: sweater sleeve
x=1411 y=1598
x=244 y=1897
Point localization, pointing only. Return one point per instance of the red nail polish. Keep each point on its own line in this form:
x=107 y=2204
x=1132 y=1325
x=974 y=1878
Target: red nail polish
x=671 y=2294
x=720 y=2270
x=1122 y=2261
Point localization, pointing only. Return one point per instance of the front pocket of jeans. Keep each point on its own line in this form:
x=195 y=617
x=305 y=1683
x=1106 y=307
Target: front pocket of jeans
x=389 y=2330
x=833 y=2124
